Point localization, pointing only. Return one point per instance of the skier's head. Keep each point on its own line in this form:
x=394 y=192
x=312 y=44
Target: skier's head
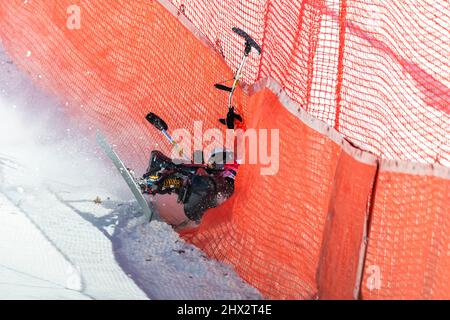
x=221 y=156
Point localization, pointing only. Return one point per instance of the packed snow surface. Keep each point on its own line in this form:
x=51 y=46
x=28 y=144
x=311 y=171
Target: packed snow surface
x=70 y=228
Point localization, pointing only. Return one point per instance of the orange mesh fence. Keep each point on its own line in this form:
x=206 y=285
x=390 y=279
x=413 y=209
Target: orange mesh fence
x=125 y=60
x=328 y=224
x=408 y=255
x=276 y=244
x=282 y=236
x=344 y=236
x=377 y=72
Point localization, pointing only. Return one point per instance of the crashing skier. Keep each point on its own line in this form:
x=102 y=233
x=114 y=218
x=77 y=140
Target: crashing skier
x=180 y=190
x=196 y=186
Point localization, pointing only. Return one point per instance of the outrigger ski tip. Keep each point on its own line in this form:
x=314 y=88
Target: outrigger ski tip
x=232 y=116
x=222 y=87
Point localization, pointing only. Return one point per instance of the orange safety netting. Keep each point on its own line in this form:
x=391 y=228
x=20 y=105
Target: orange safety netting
x=335 y=221
x=409 y=236
x=379 y=72
x=277 y=230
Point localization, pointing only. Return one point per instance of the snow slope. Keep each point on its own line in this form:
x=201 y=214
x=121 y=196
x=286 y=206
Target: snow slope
x=56 y=242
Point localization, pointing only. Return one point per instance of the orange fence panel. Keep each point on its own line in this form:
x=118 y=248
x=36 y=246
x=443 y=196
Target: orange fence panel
x=408 y=254
x=274 y=230
x=344 y=244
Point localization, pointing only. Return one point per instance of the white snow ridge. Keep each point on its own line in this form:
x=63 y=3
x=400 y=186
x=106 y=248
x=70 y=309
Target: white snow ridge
x=70 y=228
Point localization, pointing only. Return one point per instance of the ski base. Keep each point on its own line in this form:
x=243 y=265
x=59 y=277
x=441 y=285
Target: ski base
x=125 y=173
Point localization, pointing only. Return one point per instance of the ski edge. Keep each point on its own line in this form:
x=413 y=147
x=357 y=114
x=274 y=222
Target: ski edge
x=126 y=175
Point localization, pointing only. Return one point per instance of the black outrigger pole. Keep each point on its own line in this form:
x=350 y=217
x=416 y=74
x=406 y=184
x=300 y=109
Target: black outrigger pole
x=162 y=126
x=232 y=116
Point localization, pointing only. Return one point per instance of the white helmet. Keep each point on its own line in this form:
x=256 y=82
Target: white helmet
x=221 y=156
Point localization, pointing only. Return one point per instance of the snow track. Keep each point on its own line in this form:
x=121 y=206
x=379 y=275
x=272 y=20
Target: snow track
x=93 y=269
x=46 y=274
x=90 y=266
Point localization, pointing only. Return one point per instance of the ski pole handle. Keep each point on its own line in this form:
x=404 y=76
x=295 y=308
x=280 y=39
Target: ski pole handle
x=157 y=122
x=249 y=42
